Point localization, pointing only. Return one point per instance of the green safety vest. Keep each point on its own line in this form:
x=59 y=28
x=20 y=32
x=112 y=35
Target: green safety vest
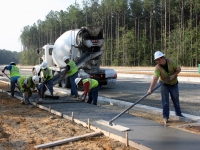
x=73 y=68
x=47 y=73
x=30 y=82
x=93 y=83
x=14 y=71
x=164 y=75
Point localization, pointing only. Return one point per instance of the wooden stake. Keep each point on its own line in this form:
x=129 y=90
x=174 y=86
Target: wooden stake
x=127 y=144
x=72 y=116
x=88 y=123
x=49 y=108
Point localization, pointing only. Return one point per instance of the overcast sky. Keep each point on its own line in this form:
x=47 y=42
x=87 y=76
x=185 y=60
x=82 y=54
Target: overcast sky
x=15 y=14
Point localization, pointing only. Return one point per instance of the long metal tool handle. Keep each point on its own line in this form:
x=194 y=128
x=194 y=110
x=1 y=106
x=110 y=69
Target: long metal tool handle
x=15 y=83
x=110 y=122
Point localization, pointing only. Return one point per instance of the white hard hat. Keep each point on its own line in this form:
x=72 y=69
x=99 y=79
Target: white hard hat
x=158 y=54
x=65 y=58
x=35 y=79
x=44 y=65
x=12 y=63
x=77 y=80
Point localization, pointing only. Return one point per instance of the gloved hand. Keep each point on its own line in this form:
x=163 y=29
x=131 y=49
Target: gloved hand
x=2 y=71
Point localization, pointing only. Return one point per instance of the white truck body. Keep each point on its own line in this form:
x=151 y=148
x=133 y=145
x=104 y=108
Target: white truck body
x=84 y=47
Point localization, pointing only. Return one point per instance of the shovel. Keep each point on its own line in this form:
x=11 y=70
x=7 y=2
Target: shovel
x=15 y=83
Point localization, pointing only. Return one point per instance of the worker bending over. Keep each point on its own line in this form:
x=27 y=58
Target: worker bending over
x=47 y=83
x=14 y=76
x=91 y=87
x=27 y=85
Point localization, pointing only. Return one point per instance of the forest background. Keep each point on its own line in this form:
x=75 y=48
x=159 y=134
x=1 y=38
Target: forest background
x=133 y=31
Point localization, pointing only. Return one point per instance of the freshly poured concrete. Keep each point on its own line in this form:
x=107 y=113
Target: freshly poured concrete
x=142 y=131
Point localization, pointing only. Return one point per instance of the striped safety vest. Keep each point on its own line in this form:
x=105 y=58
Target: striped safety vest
x=14 y=71
x=164 y=75
x=93 y=83
x=47 y=73
x=73 y=68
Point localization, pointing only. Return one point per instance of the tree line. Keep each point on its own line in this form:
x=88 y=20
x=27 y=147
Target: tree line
x=6 y=57
x=133 y=30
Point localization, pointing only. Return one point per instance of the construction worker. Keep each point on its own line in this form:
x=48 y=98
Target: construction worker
x=27 y=84
x=47 y=79
x=167 y=68
x=14 y=76
x=91 y=87
x=72 y=72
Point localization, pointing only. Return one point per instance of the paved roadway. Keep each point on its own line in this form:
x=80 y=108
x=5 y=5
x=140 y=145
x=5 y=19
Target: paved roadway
x=130 y=88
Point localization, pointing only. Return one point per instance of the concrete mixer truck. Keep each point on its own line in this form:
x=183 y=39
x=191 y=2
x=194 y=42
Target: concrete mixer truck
x=84 y=47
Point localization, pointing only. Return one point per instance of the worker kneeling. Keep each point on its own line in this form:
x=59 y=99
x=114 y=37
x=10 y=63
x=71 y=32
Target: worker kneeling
x=48 y=80
x=27 y=84
x=91 y=87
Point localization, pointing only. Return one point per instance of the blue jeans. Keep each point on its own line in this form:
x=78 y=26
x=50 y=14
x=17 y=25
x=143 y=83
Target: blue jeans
x=173 y=91
x=73 y=84
x=13 y=81
x=93 y=96
x=49 y=85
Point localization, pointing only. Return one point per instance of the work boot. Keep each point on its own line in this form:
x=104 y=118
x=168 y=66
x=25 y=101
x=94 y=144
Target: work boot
x=181 y=116
x=12 y=94
x=165 y=120
x=76 y=96
x=39 y=101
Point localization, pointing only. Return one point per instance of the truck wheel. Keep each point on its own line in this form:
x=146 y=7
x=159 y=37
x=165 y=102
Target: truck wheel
x=65 y=83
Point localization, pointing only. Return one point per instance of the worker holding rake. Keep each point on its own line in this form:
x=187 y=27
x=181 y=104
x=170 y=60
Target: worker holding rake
x=14 y=76
x=167 y=68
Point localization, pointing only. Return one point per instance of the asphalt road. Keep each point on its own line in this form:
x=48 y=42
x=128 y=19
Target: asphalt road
x=131 y=89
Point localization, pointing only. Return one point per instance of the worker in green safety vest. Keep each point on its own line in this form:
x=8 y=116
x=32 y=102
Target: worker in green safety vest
x=14 y=76
x=72 y=72
x=27 y=84
x=47 y=83
x=91 y=88
x=167 y=68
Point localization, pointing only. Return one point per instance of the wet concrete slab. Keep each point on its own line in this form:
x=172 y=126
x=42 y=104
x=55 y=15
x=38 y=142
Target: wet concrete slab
x=142 y=131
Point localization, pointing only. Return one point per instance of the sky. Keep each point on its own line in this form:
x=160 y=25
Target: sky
x=15 y=14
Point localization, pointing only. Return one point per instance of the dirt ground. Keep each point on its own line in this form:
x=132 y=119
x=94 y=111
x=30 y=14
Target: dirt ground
x=22 y=128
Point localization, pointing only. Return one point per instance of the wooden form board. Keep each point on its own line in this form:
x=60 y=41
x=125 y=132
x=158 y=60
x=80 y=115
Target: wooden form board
x=67 y=140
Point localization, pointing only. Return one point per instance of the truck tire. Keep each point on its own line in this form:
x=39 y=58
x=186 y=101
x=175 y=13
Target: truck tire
x=65 y=83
